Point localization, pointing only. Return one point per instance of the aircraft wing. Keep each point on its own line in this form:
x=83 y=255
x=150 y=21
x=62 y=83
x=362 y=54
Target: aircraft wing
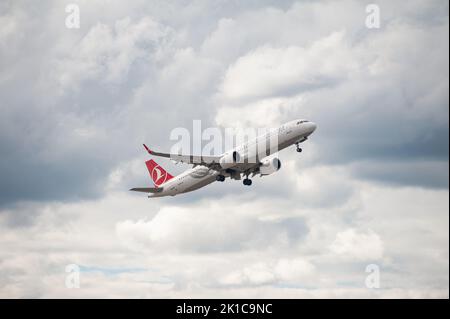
x=208 y=160
x=147 y=189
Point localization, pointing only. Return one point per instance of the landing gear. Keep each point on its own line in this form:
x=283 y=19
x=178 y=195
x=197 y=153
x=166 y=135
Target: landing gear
x=247 y=181
x=298 y=148
x=220 y=178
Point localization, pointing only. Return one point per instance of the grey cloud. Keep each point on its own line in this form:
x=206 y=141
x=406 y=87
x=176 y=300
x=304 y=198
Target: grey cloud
x=434 y=174
x=180 y=83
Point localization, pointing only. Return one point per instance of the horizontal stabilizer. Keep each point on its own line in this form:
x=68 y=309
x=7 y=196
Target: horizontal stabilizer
x=147 y=189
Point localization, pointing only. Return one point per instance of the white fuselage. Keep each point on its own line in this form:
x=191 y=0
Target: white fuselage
x=286 y=135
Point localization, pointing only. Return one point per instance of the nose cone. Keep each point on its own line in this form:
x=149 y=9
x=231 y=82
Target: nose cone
x=312 y=127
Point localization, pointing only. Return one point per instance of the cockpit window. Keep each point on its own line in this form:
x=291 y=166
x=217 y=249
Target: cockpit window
x=302 y=121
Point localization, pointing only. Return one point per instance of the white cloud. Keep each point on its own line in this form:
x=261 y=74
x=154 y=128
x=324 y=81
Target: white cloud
x=294 y=271
x=283 y=271
x=257 y=274
x=265 y=113
x=108 y=52
x=358 y=245
x=212 y=228
x=269 y=71
x=225 y=249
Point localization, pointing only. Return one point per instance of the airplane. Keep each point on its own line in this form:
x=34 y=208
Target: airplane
x=233 y=163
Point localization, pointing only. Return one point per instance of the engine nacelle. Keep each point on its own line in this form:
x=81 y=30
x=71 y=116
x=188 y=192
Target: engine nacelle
x=269 y=165
x=229 y=160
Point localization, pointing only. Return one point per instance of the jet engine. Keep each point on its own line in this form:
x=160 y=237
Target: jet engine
x=229 y=160
x=269 y=165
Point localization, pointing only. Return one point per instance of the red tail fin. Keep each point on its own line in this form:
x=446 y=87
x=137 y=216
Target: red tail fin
x=157 y=173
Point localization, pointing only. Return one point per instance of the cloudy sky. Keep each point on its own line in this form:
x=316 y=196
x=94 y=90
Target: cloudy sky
x=371 y=187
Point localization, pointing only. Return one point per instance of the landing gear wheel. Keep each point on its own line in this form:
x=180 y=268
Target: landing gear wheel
x=299 y=149
x=220 y=178
x=247 y=182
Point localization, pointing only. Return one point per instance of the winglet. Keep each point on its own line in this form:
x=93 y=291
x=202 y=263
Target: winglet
x=148 y=150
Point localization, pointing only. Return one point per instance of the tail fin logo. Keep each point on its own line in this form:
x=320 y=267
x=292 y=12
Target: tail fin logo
x=157 y=173
x=158 y=176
